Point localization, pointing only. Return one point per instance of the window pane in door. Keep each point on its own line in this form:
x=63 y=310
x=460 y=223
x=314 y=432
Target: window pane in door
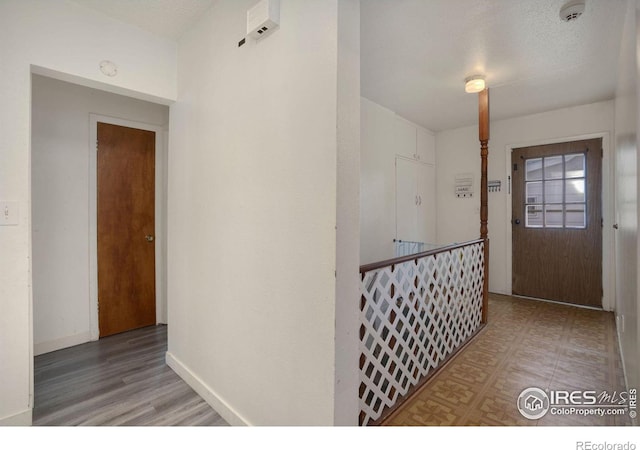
x=553 y=168
x=574 y=191
x=533 y=169
x=553 y=216
x=576 y=217
x=534 y=192
x=574 y=165
x=553 y=191
x=534 y=216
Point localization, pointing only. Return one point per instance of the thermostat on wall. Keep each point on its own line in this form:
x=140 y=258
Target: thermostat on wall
x=263 y=19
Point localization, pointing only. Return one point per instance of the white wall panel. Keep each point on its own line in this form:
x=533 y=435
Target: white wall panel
x=253 y=209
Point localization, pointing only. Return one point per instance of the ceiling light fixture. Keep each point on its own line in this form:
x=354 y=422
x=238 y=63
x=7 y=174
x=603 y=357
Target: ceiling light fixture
x=572 y=10
x=474 y=84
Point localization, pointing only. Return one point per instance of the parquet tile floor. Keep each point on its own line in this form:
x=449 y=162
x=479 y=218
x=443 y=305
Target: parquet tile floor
x=526 y=343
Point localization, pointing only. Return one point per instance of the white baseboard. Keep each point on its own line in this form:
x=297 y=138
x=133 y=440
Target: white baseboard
x=57 y=344
x=204 y=391
x=22 y=419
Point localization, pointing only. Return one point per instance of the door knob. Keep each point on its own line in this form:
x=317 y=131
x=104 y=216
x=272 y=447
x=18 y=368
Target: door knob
x=615 y=225
x=517 y=221
x=149 y=238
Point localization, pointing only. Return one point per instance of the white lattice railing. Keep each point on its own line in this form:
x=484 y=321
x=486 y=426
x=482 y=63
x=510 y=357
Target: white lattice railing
x=414 y=313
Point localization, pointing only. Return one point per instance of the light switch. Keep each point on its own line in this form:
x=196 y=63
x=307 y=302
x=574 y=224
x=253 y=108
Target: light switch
x=9 y=213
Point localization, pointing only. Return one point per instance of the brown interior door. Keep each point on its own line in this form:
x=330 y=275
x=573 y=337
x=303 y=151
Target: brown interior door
x=557 y=222
x=126 y=242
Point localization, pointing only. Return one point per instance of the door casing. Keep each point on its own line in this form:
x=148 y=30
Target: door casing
x=608 y=255
x=160 y=217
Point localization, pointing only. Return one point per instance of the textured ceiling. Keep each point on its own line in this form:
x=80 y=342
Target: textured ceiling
x=415 y=55
x=167 y=18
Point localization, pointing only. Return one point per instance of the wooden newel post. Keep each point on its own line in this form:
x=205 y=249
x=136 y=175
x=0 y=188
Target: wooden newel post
x=483 y=122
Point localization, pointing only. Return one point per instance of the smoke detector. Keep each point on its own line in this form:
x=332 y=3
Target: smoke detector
x=572 y=10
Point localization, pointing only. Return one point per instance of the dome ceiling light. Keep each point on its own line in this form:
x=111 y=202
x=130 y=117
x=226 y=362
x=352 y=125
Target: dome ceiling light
x=474 y=84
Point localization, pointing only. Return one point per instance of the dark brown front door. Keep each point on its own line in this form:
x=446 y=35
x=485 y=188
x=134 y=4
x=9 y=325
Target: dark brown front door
x=126 y=213
x=557 y=222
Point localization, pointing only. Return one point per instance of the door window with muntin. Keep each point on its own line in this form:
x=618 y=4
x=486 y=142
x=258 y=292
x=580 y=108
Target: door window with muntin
x=555 y=191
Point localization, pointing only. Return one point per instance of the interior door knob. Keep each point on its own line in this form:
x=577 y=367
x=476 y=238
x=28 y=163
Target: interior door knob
x=149 y=238
x=517 y=221
x=615 y=225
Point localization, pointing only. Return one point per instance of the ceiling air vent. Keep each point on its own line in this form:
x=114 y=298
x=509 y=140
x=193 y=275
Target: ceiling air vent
x=572 y=10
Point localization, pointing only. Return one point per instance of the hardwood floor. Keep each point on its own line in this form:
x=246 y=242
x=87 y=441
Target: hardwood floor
x=118 y=380
x=525 y=344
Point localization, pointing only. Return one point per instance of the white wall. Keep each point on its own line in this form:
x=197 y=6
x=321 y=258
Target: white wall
x=64 y=39
x=626 y=152
x=458 y=151
x=253 y=174
x=380 y=146
x=60 y=202
x=347 y=312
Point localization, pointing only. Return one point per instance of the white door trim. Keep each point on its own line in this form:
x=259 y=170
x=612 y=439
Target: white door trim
x=608 y=256
x=160 y=236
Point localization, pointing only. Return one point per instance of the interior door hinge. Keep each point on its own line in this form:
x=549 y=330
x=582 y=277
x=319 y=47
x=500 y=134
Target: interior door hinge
x=96 y=145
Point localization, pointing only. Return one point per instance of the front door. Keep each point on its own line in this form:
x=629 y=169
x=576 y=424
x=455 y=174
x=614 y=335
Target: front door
x=557 y=222
x=126 y=216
